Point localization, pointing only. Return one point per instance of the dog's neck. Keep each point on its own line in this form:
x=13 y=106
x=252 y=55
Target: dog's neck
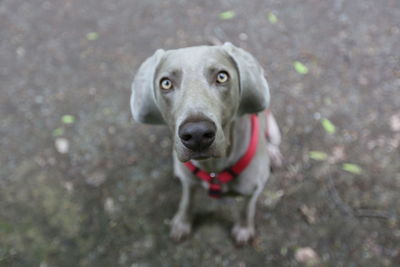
x=240 y=138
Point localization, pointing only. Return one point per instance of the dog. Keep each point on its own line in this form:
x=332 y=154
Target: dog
x=214 y=100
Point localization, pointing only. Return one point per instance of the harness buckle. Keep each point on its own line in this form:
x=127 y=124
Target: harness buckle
x=214 y=190
x=214 y=179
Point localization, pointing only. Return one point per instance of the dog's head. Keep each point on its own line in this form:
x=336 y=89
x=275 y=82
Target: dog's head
x=198 y=92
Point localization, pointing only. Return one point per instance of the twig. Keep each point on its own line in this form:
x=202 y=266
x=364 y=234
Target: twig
x=378 y=214
x=346 y=209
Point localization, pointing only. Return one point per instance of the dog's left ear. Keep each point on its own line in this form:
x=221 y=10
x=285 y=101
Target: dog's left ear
x=143 y=105
x=254 y=89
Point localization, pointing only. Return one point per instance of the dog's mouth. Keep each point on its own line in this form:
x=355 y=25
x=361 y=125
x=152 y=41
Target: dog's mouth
x=200 y=155
x=184 y=154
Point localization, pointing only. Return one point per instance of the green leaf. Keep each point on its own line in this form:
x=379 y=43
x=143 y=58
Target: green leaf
x=328 y=126
x=318 y=155
x=227 y=14
x=58 y=132
x=68 y=119
x=272 y=18
x=91 y=36
x=352 y=168
x=300 y=67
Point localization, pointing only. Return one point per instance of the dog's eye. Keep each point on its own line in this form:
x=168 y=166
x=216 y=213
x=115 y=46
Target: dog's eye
x=166 y=84
x=222 y=77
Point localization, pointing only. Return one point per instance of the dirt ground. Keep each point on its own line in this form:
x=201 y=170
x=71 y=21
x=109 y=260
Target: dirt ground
x=81 y=184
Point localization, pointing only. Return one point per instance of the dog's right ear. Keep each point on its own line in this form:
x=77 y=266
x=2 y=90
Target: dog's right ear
x=143 y=106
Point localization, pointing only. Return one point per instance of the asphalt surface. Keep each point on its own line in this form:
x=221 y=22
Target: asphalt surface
x=93 y=188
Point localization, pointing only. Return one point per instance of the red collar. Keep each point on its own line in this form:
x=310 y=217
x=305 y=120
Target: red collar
x=215 y=180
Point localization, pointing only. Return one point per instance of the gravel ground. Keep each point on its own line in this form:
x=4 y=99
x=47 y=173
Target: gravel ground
x=81 y=184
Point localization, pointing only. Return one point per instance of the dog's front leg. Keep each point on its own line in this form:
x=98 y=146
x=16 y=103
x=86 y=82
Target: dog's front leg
x=181 y=225
x=243 y=231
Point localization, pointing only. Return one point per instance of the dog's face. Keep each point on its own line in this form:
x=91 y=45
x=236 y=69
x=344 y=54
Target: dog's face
x=198 y=92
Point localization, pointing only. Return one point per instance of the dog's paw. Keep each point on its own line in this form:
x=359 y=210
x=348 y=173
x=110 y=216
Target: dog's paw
x=242 y=234
x=180 y=229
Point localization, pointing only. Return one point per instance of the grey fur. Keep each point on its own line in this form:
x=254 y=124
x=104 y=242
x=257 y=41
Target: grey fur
x=195 y=96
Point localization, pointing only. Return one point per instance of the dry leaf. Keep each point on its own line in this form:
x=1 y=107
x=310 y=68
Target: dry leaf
x=395 y=122
x=338 y=154
x=308 y=213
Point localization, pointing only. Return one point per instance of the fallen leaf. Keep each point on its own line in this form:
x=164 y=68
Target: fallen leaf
x=68 y=119
x=317 y=155
x=273 y=197
x=308 y=213
x=300 y=67
x=91 y=36
x=328 y=126
x=352 y=168
x=272 y=18
x=338 y=154
x=227 y=14
x=58 y=132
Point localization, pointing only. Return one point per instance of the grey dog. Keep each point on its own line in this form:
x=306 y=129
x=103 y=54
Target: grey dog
x=204 y=94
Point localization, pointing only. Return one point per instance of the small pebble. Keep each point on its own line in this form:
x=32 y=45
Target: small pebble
x=62 y=145
x=317 y=116
x=96 y=179
x=306 y=255
x=109 y=205
x=243 y=36
x=395 y=122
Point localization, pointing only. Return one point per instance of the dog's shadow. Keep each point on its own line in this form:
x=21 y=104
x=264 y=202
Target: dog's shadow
x=216 y=216
x=204 y=218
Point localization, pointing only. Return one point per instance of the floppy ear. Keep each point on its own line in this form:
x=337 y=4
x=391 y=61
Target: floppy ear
x=254 y=91
x=143 y=105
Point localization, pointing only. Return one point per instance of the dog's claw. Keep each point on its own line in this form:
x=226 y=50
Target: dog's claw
x=242 y=235
x=180 y=229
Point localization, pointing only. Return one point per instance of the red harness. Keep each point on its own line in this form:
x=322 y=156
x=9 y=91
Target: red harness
x=215 y=180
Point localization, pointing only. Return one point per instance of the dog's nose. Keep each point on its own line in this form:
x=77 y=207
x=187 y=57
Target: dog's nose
x=198 y=135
